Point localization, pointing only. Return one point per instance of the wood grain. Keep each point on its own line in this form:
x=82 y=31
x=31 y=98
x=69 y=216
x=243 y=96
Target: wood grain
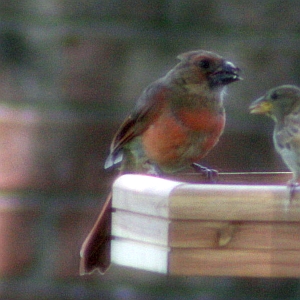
x=257 y=178
x=224 y=262
x=206 y=262
x=245 y=228
x=203 y=234
x=223 y=202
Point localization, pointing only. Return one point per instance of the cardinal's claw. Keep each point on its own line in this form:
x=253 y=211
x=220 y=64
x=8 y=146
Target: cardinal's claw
x=209 y=174
x=152 y=169
x=292 y=185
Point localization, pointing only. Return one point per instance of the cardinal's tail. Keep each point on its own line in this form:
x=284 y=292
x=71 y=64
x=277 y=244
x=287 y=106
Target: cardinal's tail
x=95 y=251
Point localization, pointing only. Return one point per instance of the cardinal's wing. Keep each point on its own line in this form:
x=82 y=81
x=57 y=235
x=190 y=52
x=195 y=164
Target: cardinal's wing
x=147 y=109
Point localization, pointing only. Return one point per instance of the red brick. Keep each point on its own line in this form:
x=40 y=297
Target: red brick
x=73 y=227
x=53 y=150
x=17 y=251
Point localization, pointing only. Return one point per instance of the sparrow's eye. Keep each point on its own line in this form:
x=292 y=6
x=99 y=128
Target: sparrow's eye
x=274 y=96
x=204 y=63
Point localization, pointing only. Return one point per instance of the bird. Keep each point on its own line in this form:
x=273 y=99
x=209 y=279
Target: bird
x=282 y=104
x=176 y=121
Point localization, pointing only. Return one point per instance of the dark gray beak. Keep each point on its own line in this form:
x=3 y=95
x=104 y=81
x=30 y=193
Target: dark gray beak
x=225 y=74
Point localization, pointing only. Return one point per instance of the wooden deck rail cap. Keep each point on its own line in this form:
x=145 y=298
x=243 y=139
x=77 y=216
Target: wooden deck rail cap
x=180 y=200
x=244 y=225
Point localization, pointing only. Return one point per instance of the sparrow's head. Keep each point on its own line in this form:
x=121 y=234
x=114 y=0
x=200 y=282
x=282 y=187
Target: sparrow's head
x=277 y=102
x=208 y=67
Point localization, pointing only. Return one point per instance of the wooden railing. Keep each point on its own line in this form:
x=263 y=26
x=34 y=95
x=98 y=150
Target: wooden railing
x=245 y=226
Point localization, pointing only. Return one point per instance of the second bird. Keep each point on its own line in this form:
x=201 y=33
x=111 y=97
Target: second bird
x=282 y=104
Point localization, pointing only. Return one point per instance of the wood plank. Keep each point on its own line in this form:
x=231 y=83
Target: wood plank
x=143 y=194
x=206 y=262
x=139 y=255
x=224 y=262
x=222 y=202
x=165 y=232
x=257 y=178
x=233 y=202
x=206 y=234
x=266 y=235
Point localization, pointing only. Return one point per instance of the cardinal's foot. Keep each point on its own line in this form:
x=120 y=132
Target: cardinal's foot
x=292 y=185
x=209 y=174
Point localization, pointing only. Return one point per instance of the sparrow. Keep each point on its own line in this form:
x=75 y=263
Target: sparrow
x=282 y=104
x=176 y=121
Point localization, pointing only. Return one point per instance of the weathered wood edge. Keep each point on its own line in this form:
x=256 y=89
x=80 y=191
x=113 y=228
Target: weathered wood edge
x=258 y=178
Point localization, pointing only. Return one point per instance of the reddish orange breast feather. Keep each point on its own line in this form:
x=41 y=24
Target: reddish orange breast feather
x=162 y=139
x=167 y=134
x=206 y=122
x=203 y=120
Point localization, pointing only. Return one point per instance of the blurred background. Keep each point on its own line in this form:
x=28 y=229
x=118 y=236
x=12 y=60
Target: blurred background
x=70 y=71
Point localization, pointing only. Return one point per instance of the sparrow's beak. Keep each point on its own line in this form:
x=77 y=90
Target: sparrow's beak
x=261 y=106
x=225 y=74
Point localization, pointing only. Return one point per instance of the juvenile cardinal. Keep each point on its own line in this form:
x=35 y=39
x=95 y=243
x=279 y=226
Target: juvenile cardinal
x=176 y=121
x=282 y=104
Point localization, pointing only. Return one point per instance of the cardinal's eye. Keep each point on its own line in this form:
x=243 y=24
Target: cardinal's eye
x=274 y=96
x=204 y=64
